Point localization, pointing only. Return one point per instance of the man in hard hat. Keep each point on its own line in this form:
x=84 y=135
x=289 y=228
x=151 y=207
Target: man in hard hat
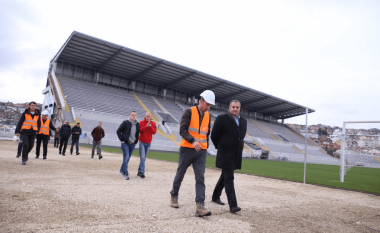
x=28 y=125
x=195 y=130
x=44 y=134
x=228 y=137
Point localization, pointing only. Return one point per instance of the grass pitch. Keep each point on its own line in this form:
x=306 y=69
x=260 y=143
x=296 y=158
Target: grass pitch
x=357 y=178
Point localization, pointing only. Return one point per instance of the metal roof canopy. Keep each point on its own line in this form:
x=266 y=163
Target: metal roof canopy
x=108 y=58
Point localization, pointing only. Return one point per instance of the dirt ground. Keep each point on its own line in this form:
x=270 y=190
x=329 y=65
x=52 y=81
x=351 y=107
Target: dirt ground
x=79 y=194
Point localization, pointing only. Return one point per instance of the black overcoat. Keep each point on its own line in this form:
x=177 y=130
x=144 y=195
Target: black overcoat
x=228 y=139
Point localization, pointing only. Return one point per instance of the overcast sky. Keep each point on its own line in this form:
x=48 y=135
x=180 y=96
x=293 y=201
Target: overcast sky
x=324 y=55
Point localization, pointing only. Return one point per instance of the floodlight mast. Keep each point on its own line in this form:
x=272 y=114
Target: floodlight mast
x=304 y=166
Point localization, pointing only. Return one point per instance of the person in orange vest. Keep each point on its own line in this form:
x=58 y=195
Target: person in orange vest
x=28 y=125
x=195 y=130
x=44 y=134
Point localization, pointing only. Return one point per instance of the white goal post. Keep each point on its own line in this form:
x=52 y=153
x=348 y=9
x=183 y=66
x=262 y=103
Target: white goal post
x=360 y=145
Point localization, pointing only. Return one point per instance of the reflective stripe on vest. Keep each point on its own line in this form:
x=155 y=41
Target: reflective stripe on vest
x=30 y=122
x=199 y=132
x=44 y=127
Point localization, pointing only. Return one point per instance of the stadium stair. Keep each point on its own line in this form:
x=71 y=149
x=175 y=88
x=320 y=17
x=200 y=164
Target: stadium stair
x=259 y=126
x=160 y=105
x=67 y=109
x=269 y=130
x=377 y=158
x=171 y=137
x=262 y=147
x=300 y=136
x=302 y=152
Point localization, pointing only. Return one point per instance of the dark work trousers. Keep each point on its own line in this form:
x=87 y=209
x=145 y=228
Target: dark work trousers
x=27 y=145
x=45 y=140
x=56 y=142
x=19 y=148
x=226 y=180
x=64 y=144
x=188 y=156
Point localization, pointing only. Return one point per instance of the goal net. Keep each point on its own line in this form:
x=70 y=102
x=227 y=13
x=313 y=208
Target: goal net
x=360 y=145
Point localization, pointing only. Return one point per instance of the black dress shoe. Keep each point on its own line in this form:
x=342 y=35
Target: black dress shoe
x=235 y=209
x=218 y=201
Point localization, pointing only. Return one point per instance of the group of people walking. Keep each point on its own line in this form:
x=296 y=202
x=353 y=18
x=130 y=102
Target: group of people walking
x=227 y=136
x=33 y=125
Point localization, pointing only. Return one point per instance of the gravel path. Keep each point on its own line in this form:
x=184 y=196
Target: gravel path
x=79 y=194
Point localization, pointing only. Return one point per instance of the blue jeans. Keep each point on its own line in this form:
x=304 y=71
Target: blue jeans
x=127 y=153
x=143 y=151
x=76 y=142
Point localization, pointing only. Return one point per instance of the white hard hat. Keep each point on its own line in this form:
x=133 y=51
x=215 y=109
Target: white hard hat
x=209 y=96
x=45 y=112
x=16 y=139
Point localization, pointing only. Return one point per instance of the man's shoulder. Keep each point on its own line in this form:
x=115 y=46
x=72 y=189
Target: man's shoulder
x=224 y=115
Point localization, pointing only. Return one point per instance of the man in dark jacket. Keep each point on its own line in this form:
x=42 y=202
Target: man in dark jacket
x=195 y=130
x=76 y=131
x=65 y=133
x=44 y=134
x=97 y=135
x=228 y=137
x=128 y=133
x=28 y=125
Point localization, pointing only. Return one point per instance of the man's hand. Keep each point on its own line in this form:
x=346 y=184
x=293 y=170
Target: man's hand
x=197 y=146
x=17 y=134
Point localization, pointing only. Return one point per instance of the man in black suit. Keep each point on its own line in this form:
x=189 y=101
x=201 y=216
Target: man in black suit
x=228 y=137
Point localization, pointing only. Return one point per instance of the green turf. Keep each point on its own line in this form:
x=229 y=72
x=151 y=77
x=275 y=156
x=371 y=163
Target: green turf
x=358 y=178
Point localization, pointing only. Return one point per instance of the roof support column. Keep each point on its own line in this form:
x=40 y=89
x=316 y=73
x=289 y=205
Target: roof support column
x=304 y=166
x=97 y=76
x=164 y=93
x=133 y=85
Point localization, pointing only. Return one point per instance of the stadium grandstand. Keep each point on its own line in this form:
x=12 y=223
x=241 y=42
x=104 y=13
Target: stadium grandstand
x=92 y=80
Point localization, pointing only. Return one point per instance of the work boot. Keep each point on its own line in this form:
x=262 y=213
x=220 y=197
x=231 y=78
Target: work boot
x=201 y=211
x=174 y=201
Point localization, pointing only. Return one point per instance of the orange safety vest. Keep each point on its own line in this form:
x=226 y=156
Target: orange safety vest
x=198 y=132
x=45 y=127
x=30 y=122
